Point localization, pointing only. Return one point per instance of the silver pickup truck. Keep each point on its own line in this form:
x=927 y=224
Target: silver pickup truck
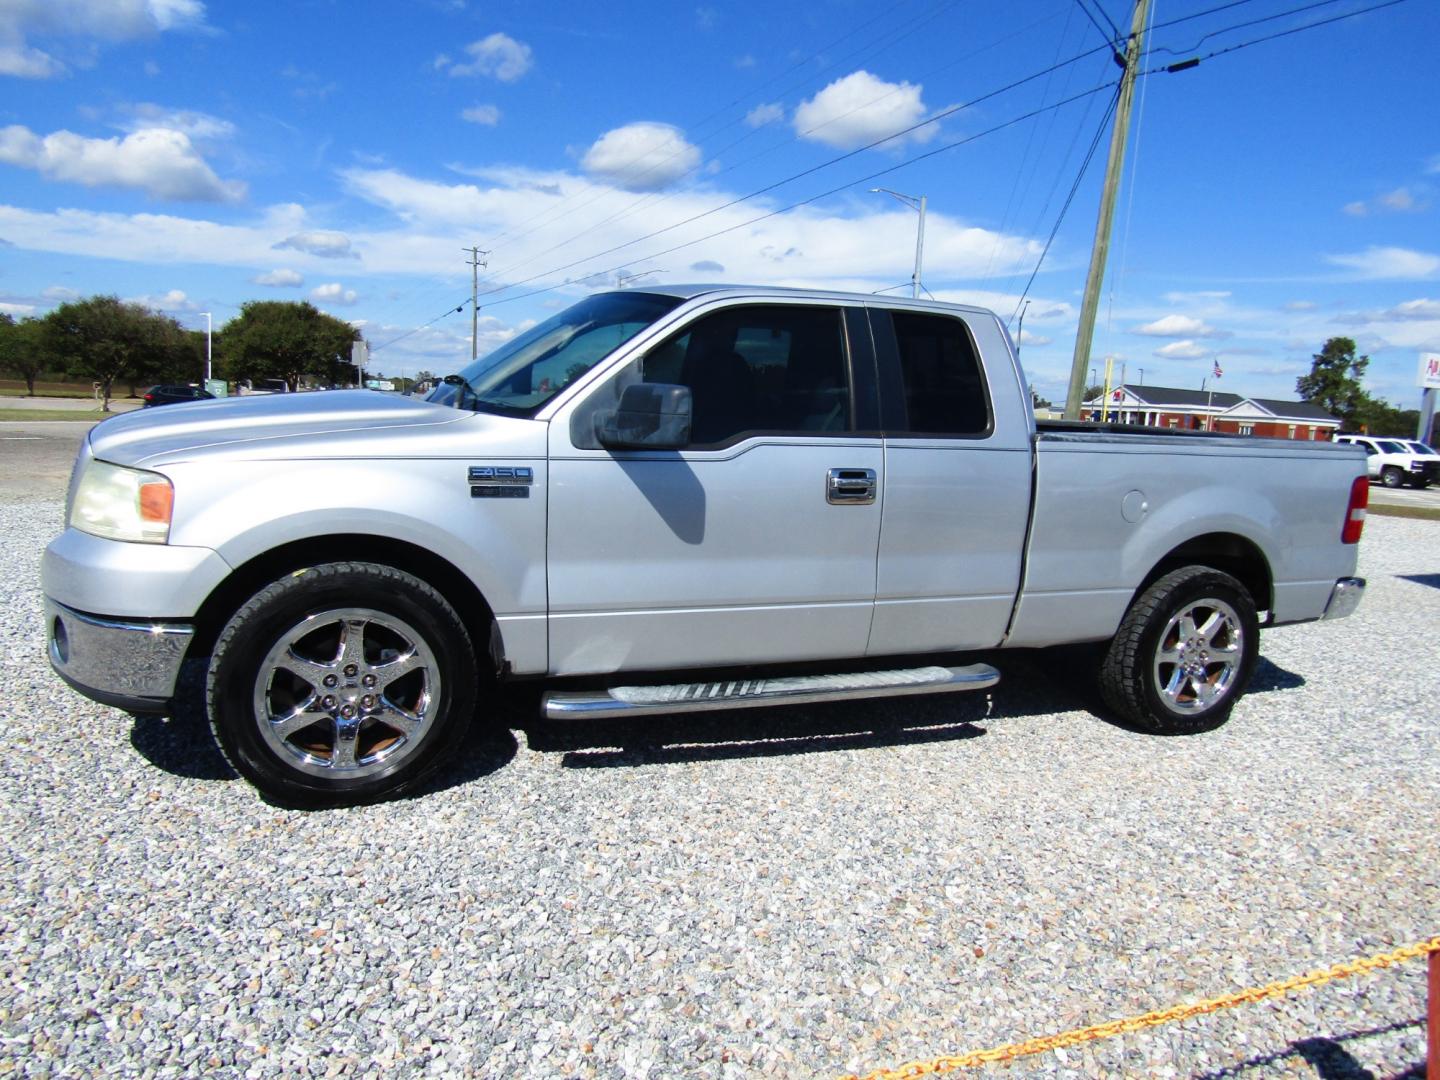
x=668 y=500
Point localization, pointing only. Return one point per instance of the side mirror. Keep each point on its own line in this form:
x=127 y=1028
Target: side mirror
x=651 y=416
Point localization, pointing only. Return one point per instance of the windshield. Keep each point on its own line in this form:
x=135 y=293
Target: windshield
x=528 y=370
x=1421 y=448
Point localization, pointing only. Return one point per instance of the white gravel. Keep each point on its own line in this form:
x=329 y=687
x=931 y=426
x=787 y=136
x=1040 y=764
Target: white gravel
x=786 y=894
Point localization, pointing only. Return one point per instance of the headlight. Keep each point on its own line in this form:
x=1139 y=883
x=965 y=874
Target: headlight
x=123 y=504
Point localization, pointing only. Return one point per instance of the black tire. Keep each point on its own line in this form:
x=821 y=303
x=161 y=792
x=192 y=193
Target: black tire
x=341 y=684
x=1391 y=477
x=1174 y=678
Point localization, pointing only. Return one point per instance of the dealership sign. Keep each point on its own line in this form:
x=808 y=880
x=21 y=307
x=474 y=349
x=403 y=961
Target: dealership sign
x=1429 y=371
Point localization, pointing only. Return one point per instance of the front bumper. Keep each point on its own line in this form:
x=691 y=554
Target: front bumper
x=128 y=663
x=1344 y=597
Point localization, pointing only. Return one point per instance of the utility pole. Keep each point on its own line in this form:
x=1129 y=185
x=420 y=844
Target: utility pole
x=476 y=262
x=1113 y=167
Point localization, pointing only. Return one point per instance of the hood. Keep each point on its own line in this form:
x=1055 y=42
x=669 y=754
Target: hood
x=275 y=425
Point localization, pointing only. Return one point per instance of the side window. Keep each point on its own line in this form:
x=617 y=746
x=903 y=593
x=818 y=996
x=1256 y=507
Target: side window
x=944 y=387
x=761 y=368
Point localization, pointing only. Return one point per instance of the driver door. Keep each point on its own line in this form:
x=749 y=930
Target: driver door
x=740 y=548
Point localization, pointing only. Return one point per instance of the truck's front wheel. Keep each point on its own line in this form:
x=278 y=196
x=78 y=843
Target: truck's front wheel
x=341 y=684
x=1184 y=652
x=1391 y=477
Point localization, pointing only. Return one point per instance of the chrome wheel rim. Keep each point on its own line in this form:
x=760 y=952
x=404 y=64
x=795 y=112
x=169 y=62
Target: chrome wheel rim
x=347 y=693
x=1199 y=656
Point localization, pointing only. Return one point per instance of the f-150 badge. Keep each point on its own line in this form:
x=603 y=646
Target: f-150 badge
x=501 y=481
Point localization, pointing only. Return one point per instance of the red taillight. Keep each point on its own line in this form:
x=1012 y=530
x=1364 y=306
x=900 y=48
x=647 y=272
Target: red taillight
x=149 y=397
x=1355 y=512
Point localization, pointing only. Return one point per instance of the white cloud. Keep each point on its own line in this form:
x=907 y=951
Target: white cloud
x=194 y=125
x=764 y=114
x=1388 y=263
x=60 y=293
x=1182 y=350
x=1301 y=305
x=104 y=20
x=489 y=115
x=707 y=266
x=1416 y=309
x=499 y=56
x=643 y=156
x=1027 y=338
x=321 y=242
x=860 y=109
x=161 y=163
x=1399 y=199
x=174 y=300
x=280 y=279
x=1197 y=295
x=414 y=223
x=1177 y=326
x=16 y=309
x=23 y=62
x=334 y=293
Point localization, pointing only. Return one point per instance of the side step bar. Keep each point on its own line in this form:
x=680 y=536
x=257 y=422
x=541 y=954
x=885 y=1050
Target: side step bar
x=750 y=693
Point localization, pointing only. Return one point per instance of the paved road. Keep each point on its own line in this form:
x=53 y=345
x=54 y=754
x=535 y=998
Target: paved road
x=82 y=405
x=35 y=458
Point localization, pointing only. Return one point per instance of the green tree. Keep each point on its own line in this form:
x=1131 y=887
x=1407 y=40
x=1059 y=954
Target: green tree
x=22 y=350
x=103 y=339
x=283 y=339
x=1334 y=381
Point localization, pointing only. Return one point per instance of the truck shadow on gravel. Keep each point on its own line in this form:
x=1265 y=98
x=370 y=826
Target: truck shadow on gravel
x=1033 y=683
x=182 y=744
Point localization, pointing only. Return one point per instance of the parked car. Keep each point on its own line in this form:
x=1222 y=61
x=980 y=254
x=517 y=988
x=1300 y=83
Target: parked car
x=174 y=394
x=1425 y=453
x=664 y=501
x=1393 y=462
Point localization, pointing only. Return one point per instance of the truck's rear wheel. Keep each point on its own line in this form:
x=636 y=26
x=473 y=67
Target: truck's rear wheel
x=341 y=684
x=1184 y=652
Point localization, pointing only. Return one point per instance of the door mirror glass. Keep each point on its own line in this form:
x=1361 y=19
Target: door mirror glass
x=651 y=416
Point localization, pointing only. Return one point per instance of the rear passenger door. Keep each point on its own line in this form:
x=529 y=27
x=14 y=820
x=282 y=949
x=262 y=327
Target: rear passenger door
x=755 y=543
x=957 y=481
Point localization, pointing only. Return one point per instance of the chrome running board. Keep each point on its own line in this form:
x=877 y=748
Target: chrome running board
x=750 y=693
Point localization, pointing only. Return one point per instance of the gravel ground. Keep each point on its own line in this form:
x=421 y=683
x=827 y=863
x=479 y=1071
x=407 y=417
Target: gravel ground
x=796 y=894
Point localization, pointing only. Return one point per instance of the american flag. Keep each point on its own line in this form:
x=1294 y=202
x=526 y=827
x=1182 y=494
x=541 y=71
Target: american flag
x=1216 y=371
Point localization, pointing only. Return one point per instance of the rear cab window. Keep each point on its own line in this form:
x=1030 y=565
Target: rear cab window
x=932 y=381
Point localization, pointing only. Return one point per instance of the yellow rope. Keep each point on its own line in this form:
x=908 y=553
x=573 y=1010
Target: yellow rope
x=1151 y=1019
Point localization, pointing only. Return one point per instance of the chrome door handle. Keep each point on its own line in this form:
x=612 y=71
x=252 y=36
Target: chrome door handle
x=850 y=487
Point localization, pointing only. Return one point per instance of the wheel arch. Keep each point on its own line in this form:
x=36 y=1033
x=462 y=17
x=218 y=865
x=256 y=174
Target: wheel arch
x=1236 y=555
x=252 y=576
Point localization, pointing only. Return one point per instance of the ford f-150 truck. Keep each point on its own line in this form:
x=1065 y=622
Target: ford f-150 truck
x=695 y=498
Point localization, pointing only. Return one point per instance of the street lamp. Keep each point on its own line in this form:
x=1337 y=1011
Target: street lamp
x=209 y=336
x=915 y=202
x=1020 y=329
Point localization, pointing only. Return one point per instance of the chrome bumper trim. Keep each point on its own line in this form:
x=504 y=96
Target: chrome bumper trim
x=1344 y=598
x=116 y=661
x=751 y=693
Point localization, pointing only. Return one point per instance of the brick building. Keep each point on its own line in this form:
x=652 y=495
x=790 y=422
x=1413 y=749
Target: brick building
x=1202 y=410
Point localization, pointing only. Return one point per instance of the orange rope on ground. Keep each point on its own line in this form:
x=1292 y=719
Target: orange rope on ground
x=1151 y=1019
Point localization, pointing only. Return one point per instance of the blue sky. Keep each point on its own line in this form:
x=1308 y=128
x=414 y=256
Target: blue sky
x=195 y=156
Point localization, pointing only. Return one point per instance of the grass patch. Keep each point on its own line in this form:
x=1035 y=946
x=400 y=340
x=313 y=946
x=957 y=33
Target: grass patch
x=85 y=416
x=1424 y=513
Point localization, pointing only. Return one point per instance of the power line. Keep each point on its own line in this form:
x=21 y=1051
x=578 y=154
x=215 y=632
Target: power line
x=812 y=169
x=856 y=182
x=448 y=311
x=1109 y=39
x=1184 y=64
x=1241 y=26
x=1075 y=187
